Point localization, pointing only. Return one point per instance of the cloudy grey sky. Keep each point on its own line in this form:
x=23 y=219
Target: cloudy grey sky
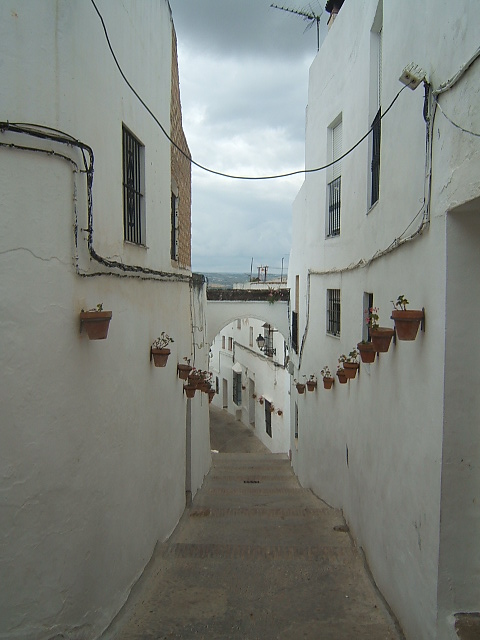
x=243 y=81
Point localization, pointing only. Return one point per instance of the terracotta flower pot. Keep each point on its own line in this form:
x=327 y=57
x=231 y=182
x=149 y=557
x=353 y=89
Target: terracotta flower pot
x=96 y=323
x=160 y=356
x=183 y=370
x=407 y=323
x=328 y=383
x=311 y=385
x=189 y=390
x=367 y=352
x=381 y=339
x=300 y=388
x=351 y=369
x=342 y=378
x=194 y=380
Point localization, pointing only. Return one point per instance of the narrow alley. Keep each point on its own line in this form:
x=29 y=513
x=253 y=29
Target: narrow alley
x=255 y=556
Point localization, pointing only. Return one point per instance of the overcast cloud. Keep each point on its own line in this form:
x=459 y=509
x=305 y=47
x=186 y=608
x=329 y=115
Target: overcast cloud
x=243 y=81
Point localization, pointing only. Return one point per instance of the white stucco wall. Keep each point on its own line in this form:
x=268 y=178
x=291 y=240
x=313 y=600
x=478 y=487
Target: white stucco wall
x=93 y=454
x=390 y=420
x=263 y=376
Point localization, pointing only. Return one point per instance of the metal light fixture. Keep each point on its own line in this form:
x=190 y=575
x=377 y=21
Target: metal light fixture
x=260 y=342
x=263 y=346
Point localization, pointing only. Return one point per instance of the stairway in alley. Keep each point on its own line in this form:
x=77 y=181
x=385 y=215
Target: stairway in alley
x=256 y=557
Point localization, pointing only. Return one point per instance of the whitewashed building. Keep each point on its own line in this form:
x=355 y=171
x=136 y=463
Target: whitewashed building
x=397 y=448
x=251 y=380
x=99 y=448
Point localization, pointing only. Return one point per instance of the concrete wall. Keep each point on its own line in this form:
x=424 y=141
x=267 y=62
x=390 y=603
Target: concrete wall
x=93 y=455
x=374 y=447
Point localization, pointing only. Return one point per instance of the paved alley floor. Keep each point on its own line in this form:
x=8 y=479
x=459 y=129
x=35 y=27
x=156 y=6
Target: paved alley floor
x=255 y=557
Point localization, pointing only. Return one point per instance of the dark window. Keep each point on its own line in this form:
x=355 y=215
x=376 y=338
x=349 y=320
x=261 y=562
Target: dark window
x=334 y=201
x=268 y=349
x=295 y=331
x=174 y=227
x=376 y=135
x=237 y=388
x=333 y=312
x=268 y=418
x=133 y=202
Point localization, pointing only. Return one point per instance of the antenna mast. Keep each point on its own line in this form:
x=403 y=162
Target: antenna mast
x=313 y=17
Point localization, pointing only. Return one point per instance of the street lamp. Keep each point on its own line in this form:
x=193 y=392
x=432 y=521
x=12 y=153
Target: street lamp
x=264 y=346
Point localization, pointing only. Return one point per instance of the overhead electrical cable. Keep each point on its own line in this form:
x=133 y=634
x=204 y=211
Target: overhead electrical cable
x=221 y=173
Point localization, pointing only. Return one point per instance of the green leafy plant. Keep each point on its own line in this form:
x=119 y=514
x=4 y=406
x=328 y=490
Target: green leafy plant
x=352 y=356
x=371 y=318
x=162 y=341
x=273 y=295
x=96 y=309
x=401 y=303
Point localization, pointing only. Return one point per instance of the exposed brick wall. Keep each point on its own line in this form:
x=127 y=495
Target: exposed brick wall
x=180 y=166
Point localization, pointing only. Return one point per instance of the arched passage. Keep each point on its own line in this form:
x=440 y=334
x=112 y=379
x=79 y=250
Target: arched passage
x=227 y=305
x=252 y=384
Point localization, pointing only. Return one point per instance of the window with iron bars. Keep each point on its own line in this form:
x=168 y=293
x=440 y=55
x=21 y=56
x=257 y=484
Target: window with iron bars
x=376 y=137
x=133 y=197
x=333 y=312
x=174 y=227
x=334 y=202
x=335 y=185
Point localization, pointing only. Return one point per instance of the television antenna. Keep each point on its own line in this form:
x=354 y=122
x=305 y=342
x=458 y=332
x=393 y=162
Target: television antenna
x=306 y=15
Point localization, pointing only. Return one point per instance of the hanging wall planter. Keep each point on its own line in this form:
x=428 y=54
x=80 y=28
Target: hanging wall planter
x=95 y=322
x=351 y=369
x=367 y=352
x=183 y=370
x=189 y=390
x=159 y=356
x=381 y=338
x=158 y=351
x=327 y=378
x=351 y=364
x=407 y=321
